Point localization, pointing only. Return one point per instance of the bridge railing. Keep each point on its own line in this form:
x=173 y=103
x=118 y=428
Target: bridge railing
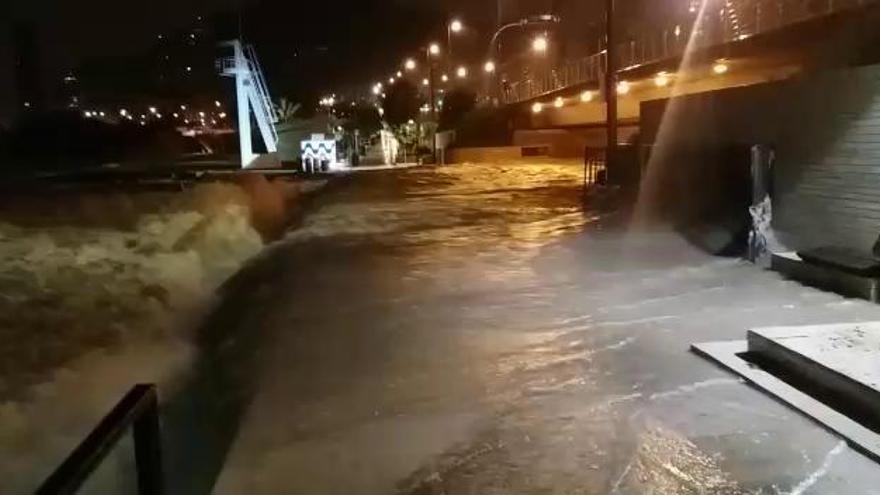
x=735 y=20
x=137 y=412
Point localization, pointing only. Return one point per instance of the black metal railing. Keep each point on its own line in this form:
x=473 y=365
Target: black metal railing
x=594 y=167
x=138 y=411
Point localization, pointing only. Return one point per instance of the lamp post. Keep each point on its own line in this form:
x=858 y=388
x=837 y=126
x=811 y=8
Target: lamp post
x=610 y=81
x=452 y=27
x=433 y=50
x=526 y=21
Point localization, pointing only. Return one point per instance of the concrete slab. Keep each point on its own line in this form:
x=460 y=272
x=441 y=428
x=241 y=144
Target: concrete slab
x=730 y=355
x=840 y=360
x=792 y=266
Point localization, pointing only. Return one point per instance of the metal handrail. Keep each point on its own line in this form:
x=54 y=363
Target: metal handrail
x=138 y=410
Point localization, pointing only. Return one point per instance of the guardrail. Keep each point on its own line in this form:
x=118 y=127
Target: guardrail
x=138 y=411
x=736 y=20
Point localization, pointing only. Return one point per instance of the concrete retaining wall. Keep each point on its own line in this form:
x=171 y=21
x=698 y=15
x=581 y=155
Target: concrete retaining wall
x=486 y=154
x=825 y=129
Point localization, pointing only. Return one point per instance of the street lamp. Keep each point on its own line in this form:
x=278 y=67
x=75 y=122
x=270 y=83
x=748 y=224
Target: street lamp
x=461 y=72
x=410 y=64
x=489 y=67
x=454 y=26
x=526 y=21
x=539 y=44
x=434 y=49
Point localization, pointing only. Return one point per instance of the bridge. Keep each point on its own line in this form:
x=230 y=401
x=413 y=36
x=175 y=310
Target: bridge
x=723 y=43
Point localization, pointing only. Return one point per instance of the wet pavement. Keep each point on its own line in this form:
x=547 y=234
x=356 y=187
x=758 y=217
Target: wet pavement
x=470 y=329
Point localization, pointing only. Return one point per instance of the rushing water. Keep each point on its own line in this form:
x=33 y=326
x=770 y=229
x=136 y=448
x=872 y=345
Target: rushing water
x=470 y=329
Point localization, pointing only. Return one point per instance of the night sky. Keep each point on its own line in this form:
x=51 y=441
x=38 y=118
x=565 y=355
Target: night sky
x=305 y=45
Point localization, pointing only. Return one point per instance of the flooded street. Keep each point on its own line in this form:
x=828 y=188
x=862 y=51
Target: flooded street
x=470 y=329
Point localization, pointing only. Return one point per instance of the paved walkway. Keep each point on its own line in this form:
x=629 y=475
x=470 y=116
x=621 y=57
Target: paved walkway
x=469 y=329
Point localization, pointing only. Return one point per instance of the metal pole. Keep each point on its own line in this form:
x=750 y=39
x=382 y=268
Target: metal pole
x=433 y=105
x=610 y=79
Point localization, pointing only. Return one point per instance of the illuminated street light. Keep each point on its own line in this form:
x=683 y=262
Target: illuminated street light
x=216 y=103
x=537 y=107
x=102 y=114
x=399 y=74
x=623 y=87
x=587 y=96
x=489 y=67
x=444 y=78
x=390 y=80
x=377 y=90
x=176 y=115
x=461 y=72
x=183 y=107
x=410 y=64
x=539 y=44
x=720 y=67
x=559 y=102
x=434 y=49
x=456 y=26
x=425 y=82
x=202 y=114
x=222 y=115
x=87 y=114
x=152 y=109
x=662 y=80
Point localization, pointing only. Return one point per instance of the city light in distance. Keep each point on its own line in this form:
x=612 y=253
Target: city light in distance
x=559 y=102
x=662 y=79
x=202 y=114
x=426 y=82
x=216 y=103
x=410 y=64
x=720 y=67
x=390 y=80
x=539 y=44
x=456 y=26
x=444 y=78
x=222 y=115
x=434 y=49
x=537 y=107
x=176 y=115
x=623 y=87
x=461 y=72
x=587 y=96
x=489 y=67
x=377 y=90
x=152 y=109
x=183 y=107
x=399 y=74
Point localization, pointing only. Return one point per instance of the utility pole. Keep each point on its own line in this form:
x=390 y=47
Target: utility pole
x=610 y=80
x=431 y=98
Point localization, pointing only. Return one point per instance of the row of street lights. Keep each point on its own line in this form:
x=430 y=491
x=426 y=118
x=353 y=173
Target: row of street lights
x=661 y=80
x=540 y=44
